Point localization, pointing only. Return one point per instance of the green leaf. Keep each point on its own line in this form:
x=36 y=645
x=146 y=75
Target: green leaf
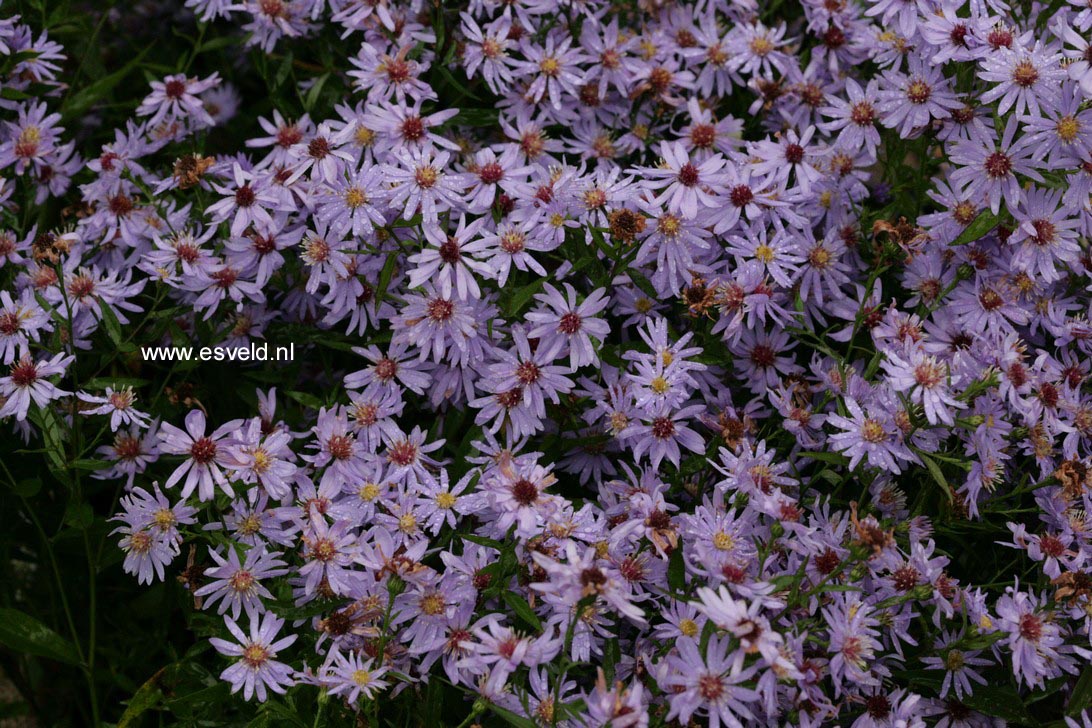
x=88 y=464
x=476 y=117
x=113 y=328
x=79 y=515
x=676 y=570
x=937 y=474
x=215 y=44
x=643 y=283
x=115 y=382
x=284 y=70
x=999 y=701
x=612 y=655
x=24 y=633
x=522 y=609
x=827 y=457
x=307 y=400
x=27 y=488
x=522 y=296
x=511 y=718
x=1081 y=697
x=985 y=222
x=96 y=92
x=143 y=700
x=313 y=93
x=385 y=275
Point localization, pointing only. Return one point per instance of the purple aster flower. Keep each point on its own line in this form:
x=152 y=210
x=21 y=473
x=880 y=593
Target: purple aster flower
x=853 y=642
x=205 y=455
x=502 y=650
x=257 y=668
x=686 y=187
x=1025 y=79
x=516 y=492
x=118 y=404
x=581 y=575
x=237 y=585
x=662 y=431
x=1047 y=235
x=533 y=372
x=353 y=677
x=329 y=553
x=711 y=684
x=1036 y=642
x=145 y=554
x=908 y=102
x=453 y=260
x=987 y=172
x=572 y=325
x=176 y=98
x=439 y=326
x=419 y=182
x=553 y=68
x=959 y=666
x=248 y=201
x=394 y=369
x=28 y=381
x=854 y=117
x=870 y=434
x=487 y=51
x=22 y=319
x=926 y=381
x=351 y=203
x=31 y=139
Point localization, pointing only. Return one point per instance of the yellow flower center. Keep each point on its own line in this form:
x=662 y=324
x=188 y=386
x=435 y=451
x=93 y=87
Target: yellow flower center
x=872 y=431
x=364 y=136
x=549 y=66
x=262 y=461
x=1068 y=128
x=355 y=197
x=164 y=518
x=432 y=604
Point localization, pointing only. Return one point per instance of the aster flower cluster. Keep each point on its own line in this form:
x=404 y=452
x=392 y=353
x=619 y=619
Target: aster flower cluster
x=658 y=363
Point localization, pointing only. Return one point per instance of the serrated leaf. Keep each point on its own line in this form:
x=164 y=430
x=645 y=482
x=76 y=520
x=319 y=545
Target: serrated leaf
x=23 y=633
